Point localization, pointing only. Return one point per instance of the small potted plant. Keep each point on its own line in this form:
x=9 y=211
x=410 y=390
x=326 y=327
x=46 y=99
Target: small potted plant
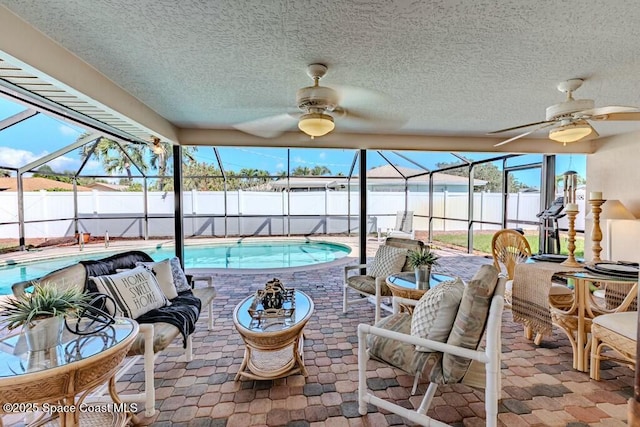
x=421 y=260
x=42 y=313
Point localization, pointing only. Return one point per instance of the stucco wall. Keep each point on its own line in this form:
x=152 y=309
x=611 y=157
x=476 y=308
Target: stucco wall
x=614 y=169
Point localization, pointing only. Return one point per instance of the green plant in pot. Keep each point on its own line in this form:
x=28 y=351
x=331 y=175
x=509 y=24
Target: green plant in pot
x=42 y=313
x=421 y=260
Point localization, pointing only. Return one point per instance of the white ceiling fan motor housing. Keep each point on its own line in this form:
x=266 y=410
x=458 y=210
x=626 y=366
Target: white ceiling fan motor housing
x=567 y=108
x=317 y=98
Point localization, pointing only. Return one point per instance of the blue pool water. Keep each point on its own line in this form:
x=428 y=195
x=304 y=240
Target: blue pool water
x=250 y=255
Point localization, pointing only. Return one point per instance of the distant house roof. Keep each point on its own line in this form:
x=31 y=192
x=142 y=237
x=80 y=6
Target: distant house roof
x=104 y=186
x=378 y=176
x=440 y=178
x=37 y=184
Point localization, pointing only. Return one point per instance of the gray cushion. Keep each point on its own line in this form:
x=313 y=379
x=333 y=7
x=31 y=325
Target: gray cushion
x=179 y=278
x=469 y=325
x=367 y=284
x=395 y=353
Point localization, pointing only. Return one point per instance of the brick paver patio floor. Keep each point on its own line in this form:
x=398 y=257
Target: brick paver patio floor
x=539 y=387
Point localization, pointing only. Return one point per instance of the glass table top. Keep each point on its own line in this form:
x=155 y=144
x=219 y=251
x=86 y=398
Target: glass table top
x=408 y=279
x=303 y=309
x=15 y=359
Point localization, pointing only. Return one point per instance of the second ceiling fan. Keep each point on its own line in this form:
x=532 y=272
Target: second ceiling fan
x=570 y=120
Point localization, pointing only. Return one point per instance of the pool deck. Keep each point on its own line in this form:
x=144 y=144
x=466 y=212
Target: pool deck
x=539 y=385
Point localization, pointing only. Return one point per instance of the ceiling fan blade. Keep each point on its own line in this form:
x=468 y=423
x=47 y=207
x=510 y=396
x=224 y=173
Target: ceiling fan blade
x=628 y=116
x=269 y=127
x=607 y=113
x=544 y=125
x=351 y=97
x=522 y=127
x=379 y=121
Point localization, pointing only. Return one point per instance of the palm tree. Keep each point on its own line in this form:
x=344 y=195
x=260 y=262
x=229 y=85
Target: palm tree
x=301 y=171
x=320 y=170
x=112 y=156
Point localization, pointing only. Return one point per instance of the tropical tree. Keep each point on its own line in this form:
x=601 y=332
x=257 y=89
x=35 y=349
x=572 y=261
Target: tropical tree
x=45 y=171
x=486 y=172
x=315 y=171
x=320 y=170
x=115 y=158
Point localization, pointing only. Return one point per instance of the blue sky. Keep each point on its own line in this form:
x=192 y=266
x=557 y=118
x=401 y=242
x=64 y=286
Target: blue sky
x=40 y=135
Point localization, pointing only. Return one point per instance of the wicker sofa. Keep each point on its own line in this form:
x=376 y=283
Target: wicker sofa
x=153 y=337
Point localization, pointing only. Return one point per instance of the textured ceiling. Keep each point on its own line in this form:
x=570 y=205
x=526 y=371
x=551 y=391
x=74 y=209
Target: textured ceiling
x=447 y=67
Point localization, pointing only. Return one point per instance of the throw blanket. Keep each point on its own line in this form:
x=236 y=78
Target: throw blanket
x=182 y=313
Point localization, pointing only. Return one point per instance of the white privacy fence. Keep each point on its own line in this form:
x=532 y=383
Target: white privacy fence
x=210 y=213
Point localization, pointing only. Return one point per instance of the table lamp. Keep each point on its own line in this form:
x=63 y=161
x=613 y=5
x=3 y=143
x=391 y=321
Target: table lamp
x=612 y=210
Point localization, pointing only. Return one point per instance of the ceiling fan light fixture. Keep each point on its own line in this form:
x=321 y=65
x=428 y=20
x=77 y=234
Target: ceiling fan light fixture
x=571 y=132
x=316 y=124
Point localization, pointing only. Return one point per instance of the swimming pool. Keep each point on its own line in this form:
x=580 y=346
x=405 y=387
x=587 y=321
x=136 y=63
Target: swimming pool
x=236 y=255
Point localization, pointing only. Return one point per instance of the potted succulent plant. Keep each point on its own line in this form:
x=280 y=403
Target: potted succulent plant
x=422 y=260
x=42 y=313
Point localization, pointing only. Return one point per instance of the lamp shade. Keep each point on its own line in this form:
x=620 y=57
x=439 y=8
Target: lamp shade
x=614 y=209
x=571 y=132
x=316 y=124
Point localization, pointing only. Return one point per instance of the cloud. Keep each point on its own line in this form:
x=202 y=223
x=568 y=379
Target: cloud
x=17 y=158
x=67 y=130
x=279 y=166
x=322 y=155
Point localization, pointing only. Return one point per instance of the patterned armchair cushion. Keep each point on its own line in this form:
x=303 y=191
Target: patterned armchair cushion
x=367 y=284
x=388 y=260
x=393 y=352
x=436 y=311
x=468 y=326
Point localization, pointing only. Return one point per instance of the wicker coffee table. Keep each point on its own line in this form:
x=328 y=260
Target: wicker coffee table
x=273 y=345
x=64 y=375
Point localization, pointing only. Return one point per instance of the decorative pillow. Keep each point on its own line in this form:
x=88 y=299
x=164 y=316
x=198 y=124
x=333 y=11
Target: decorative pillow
x=179 y=278
x=434 y=314
x=135 y=292
x=401 y=355
x=163 y=273
x=469 y=325
x=388 y=260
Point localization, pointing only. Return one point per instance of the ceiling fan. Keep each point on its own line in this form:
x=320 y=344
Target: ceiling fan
x=320 y=105
x=569 y=120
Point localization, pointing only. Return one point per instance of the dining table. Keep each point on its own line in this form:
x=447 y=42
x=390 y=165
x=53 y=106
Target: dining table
x=594 y=293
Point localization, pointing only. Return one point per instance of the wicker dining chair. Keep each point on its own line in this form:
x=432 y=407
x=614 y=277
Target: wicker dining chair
x=509 y=248
x=617 y=331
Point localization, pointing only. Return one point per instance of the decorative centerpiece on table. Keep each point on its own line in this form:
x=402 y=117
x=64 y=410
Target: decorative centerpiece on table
x=422 y=260
x=273 y=301
x=42 y=313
